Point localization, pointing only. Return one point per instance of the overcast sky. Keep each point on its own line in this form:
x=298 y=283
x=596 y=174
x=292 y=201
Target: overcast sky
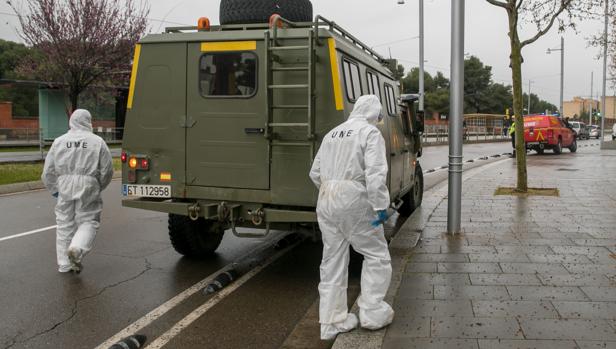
x=377 y=22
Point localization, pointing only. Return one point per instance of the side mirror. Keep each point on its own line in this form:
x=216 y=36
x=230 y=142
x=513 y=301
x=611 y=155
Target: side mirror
x=420 y=122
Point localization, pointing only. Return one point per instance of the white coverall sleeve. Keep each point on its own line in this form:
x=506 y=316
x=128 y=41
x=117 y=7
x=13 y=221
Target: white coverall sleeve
x=376 y=171
x=50 y=176
x=105 y=166
x=315 y=171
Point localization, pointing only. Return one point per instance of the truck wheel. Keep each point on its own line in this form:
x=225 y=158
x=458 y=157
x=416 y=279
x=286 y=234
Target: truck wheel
x=260 y=11
x=559 y=147
x=194 y=239
x=413 y=198
x=540 y=151
x=573 y=147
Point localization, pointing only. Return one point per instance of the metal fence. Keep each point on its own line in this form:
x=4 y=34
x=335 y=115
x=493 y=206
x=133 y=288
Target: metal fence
x=33 y=136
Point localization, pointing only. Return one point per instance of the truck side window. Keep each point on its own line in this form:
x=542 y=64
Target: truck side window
x=390 y=99
x=373 y=84
x=352 y=80
x=228 y=74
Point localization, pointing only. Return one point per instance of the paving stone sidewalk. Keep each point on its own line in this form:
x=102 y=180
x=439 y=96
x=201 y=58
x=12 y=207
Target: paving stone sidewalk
x=535 y=272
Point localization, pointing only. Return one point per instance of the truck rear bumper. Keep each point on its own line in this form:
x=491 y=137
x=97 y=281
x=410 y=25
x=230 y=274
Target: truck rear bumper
x=241 y=212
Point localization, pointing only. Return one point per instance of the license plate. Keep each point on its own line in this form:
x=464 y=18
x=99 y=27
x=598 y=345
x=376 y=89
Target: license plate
x=147 y=191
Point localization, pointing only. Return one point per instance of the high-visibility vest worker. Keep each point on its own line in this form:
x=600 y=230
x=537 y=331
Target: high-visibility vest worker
x=512 y=128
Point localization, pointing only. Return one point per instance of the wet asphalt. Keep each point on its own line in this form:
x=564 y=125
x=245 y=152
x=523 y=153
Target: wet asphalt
x=133 y=269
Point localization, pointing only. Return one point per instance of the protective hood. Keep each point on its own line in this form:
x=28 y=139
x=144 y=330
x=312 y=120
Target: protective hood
x=367 y=107
x=81 y=120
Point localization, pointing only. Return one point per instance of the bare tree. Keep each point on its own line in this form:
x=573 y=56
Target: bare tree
x=543 y=15
x=80 y=42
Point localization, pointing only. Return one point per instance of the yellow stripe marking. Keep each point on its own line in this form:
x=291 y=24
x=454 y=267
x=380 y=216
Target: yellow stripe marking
x=228 y=46
x=333 y=58
x=133 y=76
x=540 y=137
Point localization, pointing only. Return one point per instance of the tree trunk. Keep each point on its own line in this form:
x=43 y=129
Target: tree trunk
x=518 y=107
x=74 y=99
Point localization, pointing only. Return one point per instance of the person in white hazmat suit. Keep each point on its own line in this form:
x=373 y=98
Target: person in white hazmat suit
x=350 y=170
x=77 y=169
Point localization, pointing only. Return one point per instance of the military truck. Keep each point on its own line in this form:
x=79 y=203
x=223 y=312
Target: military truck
x=224 y=121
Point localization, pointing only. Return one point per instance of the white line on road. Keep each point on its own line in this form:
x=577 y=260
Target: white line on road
x=164 y=308
x=28 y=233
x=197 y=313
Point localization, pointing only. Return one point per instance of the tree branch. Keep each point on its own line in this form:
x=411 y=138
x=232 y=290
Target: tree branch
x=498 y=3
x=563 y=6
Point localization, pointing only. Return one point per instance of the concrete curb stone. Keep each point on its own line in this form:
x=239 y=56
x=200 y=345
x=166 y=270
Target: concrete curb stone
x=401 y=249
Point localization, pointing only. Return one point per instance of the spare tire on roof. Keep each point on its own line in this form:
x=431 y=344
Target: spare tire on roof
x=259 y=11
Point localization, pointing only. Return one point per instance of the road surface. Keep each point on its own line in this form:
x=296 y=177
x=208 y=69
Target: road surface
x=133 y=276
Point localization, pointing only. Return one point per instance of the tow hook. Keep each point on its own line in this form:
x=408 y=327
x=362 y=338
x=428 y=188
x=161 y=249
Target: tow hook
x=193 y=211
x=257 y=217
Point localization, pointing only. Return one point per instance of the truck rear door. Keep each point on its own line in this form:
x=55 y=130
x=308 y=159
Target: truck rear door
x=226 y=108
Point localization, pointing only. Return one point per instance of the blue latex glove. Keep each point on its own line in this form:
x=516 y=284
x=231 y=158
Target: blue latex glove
x=383 y=217
x=55 y=195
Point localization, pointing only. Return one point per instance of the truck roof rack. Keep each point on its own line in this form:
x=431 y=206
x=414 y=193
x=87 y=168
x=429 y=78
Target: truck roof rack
x=319 y=21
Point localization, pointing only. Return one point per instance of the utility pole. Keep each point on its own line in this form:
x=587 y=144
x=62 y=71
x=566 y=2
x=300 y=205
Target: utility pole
x=605 y=43
x=562 y=77
x=529 y=83
x=422 y=89
x=454 y=205
x=562 y=73
x=592 y=97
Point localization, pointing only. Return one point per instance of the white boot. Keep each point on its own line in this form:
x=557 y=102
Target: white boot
x=330 y=331
x=74 y=255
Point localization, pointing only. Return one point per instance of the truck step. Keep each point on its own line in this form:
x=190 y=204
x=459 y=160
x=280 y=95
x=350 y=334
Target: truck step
x=290 y=107
x=288 y=87
x=288 y=48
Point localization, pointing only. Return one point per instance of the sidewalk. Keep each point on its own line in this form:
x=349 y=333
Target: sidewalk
x=535 y=272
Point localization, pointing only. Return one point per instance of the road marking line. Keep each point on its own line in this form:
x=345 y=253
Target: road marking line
x=164 y=308
x=28 y=233
x=197 y=313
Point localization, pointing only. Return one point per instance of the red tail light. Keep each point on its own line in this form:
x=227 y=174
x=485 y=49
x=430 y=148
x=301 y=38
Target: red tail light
x=124 y=157
x=550 y=133
x=145 y=164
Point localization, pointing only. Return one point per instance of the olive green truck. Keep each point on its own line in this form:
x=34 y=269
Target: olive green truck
x=224 y=121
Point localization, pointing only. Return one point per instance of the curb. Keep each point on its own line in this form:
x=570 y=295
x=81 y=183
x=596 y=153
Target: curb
x=401 y=248
x=15 y=188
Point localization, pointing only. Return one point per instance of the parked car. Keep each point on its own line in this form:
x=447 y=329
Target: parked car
x=580 y=129
x=595 y=131
x=614 y=132
x=543 y=132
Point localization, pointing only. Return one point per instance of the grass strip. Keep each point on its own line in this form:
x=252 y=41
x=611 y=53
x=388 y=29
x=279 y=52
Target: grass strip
x=20 y=173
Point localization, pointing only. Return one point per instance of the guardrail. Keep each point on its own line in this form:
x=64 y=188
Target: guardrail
x=440 y=134
x=32 y=136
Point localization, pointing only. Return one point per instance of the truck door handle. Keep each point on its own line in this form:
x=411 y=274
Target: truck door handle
x=405 y=151
x=254 y=131
x=392 y=154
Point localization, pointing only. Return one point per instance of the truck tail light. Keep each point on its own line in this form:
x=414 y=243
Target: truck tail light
x=145 y=164
x=550 y=133
x=132 y=163
x=124 y=157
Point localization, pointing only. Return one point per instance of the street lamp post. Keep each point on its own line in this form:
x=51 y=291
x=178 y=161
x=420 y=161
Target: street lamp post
x=562 y=72
x=454 y=204
x=421 y=54
x=605 y=43
x=529 y=84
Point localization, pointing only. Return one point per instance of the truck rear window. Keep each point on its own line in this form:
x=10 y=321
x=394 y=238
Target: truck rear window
x=537 y=121
x=228 y=74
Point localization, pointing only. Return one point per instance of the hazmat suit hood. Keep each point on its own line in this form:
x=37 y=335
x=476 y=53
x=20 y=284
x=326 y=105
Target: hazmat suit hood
x=81 y=120
x=367 y=107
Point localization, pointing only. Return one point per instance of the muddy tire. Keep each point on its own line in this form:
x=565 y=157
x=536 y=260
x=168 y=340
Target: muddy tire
x=412 y=199
x=573 y=147
x=194 y=239
x=260 y=11
x=558 y=149
x=540 y=151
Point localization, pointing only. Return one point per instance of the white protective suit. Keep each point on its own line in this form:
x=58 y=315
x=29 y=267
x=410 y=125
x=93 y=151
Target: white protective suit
x=350 y=171
x=78 y=168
